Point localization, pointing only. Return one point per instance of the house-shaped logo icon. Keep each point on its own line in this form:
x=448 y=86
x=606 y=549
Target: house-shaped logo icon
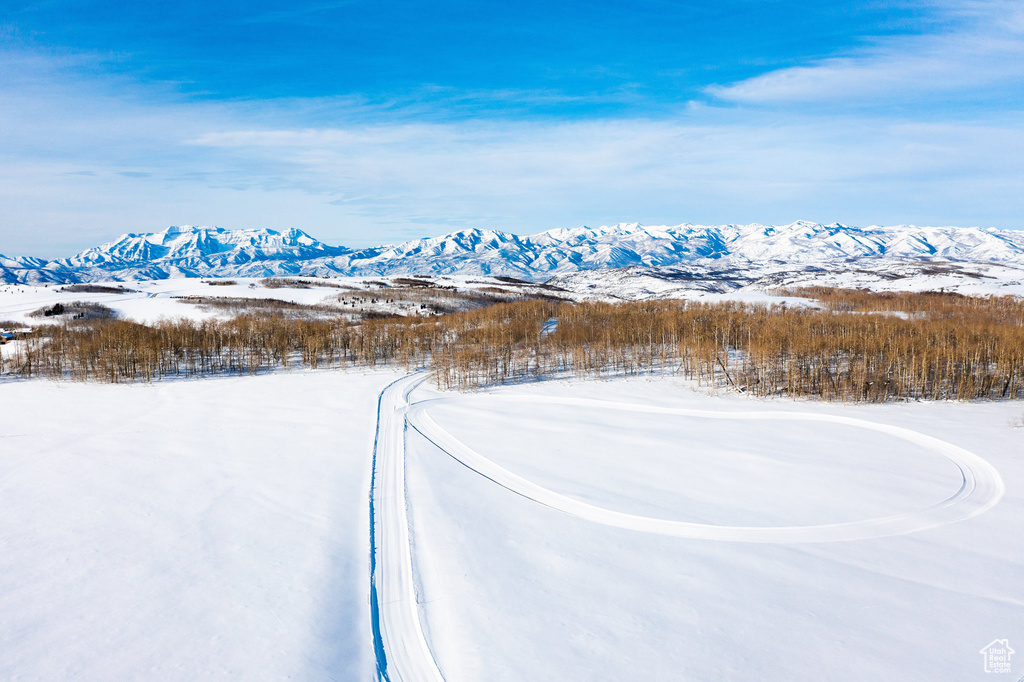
x=997 y=656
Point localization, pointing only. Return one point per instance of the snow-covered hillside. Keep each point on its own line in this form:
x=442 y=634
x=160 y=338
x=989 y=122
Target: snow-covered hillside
x=550 y=595
x=714 y=278
x=199 y=530
x=214 y=252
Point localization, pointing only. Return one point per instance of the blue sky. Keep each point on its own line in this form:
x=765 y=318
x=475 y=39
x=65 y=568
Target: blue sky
x=370 y=122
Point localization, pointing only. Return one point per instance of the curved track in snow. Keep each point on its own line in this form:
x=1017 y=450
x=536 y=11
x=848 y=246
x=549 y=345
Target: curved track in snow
x=981 y=486
x=401 y=649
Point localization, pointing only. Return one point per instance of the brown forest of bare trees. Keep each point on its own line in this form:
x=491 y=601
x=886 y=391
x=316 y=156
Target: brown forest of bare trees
x=857 y=346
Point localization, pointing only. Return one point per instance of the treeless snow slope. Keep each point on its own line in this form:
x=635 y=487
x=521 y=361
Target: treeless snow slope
x=198 y=529
x=187 y=530
x=980 y=486
x=149 y=301
x=512 y=589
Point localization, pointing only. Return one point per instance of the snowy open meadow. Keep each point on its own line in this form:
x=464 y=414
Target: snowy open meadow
x=602 y=530
x=187 y=530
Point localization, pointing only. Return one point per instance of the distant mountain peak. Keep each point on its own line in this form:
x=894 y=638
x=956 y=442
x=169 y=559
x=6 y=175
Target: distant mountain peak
x=210 y=251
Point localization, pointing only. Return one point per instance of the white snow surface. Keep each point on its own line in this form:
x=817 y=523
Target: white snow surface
x=187 y=530
x=189 y=251
x=148 y=301
x=151 y=300
x=548 y=595
x=202 y=529
x=979 y=486
x=722 y=280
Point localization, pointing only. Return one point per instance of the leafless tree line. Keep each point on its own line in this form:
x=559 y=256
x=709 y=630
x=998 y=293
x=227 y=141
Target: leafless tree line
x=940 y=346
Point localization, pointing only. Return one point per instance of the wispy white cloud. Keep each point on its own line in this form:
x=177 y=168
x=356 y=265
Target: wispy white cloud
x=979 y=48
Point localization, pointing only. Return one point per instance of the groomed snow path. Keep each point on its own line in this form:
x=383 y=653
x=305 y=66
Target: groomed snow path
x=401 y=647
x=401 y=650
x=981 y=489
x=217 y=529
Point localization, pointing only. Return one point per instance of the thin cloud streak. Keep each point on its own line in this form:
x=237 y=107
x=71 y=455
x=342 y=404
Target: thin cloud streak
x=983 y=51
x=365 y=184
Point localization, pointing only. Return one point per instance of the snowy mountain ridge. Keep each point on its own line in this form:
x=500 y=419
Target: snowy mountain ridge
x=189 y=251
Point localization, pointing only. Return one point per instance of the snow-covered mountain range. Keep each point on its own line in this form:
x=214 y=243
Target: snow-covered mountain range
x=188 y=251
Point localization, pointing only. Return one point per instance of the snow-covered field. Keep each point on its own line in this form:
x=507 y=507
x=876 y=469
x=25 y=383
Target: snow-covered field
x=220 y=528
x=186 y=530
x=716 y=280
x=148 y=301
x=513 y=589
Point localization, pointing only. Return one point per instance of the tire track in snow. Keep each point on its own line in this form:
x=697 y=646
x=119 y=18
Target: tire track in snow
x=981 y=486
x=400 y=648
